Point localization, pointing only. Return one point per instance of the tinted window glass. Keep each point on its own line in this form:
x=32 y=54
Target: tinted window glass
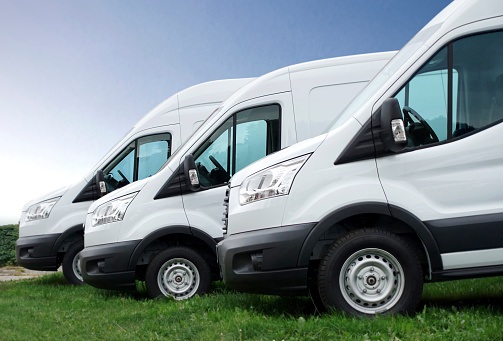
x=140 y=159
x=431 y=114
x=153 y=151
x=478 y=59
x=120 y=171
x=257 y=134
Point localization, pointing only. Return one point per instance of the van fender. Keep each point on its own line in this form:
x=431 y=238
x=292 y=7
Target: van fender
x=424 y=233
x=396 y=212
x=77 y=229
x=170 y=230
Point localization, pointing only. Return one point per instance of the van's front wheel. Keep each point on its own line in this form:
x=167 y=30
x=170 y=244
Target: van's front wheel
x=71 y=264
x=370 y=271
x=178 y=272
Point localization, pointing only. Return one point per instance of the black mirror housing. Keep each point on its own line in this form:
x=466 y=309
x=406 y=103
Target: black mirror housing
x=100 y=183
x=392 y=134
x=190 y=172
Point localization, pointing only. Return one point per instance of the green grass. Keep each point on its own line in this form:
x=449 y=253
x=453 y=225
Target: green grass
x=46 y=308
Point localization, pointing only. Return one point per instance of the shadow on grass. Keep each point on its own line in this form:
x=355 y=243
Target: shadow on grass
x=53 y=280
x=269 y=305
x=486 y=302
x=140 y=294
x=58 y=280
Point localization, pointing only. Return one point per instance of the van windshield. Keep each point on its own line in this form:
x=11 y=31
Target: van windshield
x=386 y=73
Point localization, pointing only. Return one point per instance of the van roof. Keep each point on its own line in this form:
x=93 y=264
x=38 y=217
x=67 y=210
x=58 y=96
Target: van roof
x=200 y=94
x=345 y=60
x=273 y=82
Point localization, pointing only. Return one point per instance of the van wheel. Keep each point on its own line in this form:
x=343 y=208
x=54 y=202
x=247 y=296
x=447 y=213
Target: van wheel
x=369 y=272
x=312 y=286
x=71 y=264
x=178 y=272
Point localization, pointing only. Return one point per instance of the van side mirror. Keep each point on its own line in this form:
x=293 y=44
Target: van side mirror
x=190 y=172
x=392 y=134
x=100 y=183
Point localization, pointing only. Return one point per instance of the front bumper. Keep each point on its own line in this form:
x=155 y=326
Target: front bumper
x=108 y=266
x=265 y=261
x=37 y=252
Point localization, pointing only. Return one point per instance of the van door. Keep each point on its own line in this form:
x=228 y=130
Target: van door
x=142 y=158
x=248 y=135
x=449 y=176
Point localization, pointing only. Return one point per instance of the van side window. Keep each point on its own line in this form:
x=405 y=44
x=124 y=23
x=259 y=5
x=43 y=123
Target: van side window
x=152 y=154
x=456 y=91
x=140 y=159
x=245 y=137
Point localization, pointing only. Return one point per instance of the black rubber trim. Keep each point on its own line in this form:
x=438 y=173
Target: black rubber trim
x=323 y=225
x=361 y=146
x=41 y=257
x=77 y=229
x=449 y=275
x=117 y=274
x=279 y=273
x=206 y=238
x=468 y=233
x=44 y=254
x=88 y=193
x=378 y=208
x=166 y=231
x=424 y=233
x=173 y=186
x=367 y=143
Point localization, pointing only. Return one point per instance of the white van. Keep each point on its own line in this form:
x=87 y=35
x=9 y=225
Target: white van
x=405 y=186
x=51 y=227
x=164 y=229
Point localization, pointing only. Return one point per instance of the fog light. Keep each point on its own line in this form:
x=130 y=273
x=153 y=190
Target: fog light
x=101 y=266
x=256 y=259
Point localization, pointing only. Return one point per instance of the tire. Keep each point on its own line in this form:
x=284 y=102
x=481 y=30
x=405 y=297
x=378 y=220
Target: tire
x=71 y=264
x=314 y=294
x=369 y=272
x=178 y=272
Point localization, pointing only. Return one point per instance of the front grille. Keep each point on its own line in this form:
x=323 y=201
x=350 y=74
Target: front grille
x=226 y=210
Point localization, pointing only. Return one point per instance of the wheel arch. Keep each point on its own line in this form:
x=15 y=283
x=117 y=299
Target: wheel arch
x=375 y=214
x=67 y=238
x=171 y=236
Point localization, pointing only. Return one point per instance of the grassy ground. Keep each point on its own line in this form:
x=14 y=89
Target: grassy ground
x=46 y=308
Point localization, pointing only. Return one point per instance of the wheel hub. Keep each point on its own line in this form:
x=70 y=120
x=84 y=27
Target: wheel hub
x=371 y=280
x=178 y=278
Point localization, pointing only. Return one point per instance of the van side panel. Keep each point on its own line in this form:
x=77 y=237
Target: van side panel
x=313 y=93
x=191 y=117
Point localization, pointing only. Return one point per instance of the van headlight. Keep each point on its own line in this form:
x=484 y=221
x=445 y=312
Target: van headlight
x=113 y=210
x=41 y=210
x=271 y=182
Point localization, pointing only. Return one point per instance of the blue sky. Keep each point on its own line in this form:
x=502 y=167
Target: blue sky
x=76 y=75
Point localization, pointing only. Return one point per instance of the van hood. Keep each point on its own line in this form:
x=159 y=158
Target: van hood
x=131 y=188
x=57 y=193
x=305 y=147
